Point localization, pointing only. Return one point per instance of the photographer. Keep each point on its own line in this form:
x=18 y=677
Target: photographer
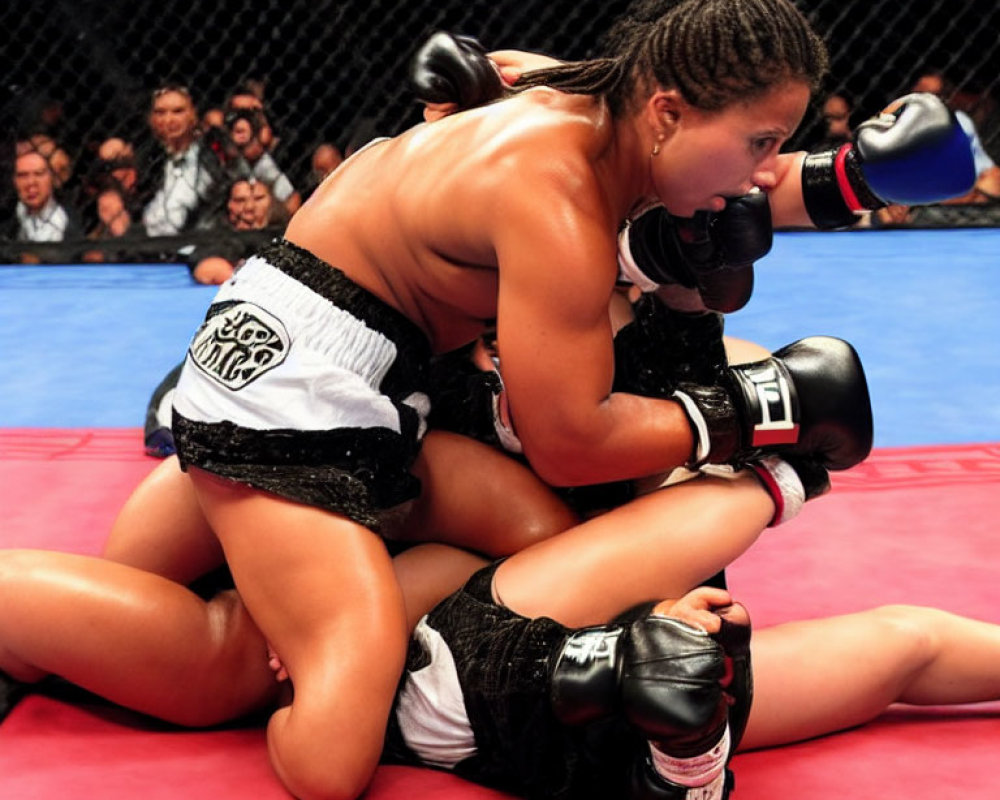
x=251 y=138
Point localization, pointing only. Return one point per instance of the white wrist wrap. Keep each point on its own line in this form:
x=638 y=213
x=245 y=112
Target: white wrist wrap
x=628 y=271
x=702 y=443
x=783 y=484
x=704 y=775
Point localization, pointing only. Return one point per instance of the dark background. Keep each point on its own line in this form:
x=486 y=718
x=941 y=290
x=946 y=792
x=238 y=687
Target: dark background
x=332 y=68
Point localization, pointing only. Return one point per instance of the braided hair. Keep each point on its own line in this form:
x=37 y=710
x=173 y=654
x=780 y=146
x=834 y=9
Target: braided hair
x=714 y=52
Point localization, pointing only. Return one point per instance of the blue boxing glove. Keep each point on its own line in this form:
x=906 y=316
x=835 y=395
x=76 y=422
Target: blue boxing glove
x=454 y=69
x=914 y=153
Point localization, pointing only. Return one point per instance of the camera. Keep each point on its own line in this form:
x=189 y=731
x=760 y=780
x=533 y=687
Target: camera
x=254 y=116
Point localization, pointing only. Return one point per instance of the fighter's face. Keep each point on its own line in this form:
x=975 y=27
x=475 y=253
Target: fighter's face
x=709 y=156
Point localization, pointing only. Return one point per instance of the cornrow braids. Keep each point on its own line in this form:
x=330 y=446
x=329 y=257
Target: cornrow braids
x=714 y=52
x=639 y=16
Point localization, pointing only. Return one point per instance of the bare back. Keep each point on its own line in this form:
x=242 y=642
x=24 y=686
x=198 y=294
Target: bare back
x=418 y=219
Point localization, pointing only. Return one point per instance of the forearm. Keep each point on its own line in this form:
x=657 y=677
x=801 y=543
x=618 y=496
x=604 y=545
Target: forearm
x=624 y=437
x=913 y=153
x=788 y=209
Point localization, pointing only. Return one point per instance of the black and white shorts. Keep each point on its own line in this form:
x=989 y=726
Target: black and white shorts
x=475 y=700
x=302 y=383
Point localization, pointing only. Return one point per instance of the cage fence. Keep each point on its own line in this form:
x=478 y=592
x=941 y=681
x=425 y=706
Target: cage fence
x=81 y=71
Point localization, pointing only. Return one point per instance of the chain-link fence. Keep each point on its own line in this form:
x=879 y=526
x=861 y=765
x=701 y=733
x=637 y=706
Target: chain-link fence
x=80 y=71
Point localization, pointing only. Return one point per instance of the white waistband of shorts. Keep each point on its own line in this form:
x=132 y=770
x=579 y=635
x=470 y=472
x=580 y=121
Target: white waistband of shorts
x=324 y=328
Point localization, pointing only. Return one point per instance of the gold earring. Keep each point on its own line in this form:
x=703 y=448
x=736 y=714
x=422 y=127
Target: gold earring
x=656 y=147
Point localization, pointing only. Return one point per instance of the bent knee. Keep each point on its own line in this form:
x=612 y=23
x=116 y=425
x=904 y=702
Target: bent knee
x=313 y=769
x=911 y=629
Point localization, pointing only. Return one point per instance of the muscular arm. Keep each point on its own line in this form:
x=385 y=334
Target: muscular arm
x=556 y=256
x=787 y=206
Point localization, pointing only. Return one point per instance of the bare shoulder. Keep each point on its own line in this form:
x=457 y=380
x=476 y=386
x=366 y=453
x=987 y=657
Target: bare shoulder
x=516 y=176
x=545 y=157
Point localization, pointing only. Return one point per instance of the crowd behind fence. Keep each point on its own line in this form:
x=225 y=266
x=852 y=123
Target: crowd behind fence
x=330 y=74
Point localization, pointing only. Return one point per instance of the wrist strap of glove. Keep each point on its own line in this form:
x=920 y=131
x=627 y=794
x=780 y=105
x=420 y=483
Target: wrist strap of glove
x=695 y=771
x=790 y=482
x=584 y=677
x=834 y=188
x=646 y=784
x=756 y=407
x=712 y=397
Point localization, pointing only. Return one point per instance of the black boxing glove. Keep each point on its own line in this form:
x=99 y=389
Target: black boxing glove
x=917 y=153
x=647 y=783
x=713 y=253
x=809 y=398
x=662 y=347
x=454 y=69
x=734 y=638
x=661 y=674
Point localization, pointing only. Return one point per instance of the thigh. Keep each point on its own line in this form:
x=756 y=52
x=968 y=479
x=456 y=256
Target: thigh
x=162 y=529
x=476 y=497
x=134 y=638
x=660 y=545
x=322 y=590
x=428 y=573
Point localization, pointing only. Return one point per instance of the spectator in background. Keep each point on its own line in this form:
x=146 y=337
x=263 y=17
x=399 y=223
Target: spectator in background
x=39 y=216
x=325 y=159
x=59 y=161
x=249 y=207
x=115 y=221
x=113 y=213
x=213 y=119
x=836 y=121
x=249 y=97
x=189 y=188
x=116 y=160
x=267 y=213
x=251 y=134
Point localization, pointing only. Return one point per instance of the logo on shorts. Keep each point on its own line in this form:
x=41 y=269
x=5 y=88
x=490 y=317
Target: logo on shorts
x=239 y=344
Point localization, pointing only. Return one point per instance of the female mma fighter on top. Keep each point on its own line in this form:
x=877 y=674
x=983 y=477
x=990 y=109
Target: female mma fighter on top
x=317 y=591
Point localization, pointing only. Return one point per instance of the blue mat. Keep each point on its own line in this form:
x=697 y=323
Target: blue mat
x=87 y=344
x=921 y=307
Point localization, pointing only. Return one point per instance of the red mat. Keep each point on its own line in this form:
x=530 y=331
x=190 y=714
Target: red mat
x=909 y=525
